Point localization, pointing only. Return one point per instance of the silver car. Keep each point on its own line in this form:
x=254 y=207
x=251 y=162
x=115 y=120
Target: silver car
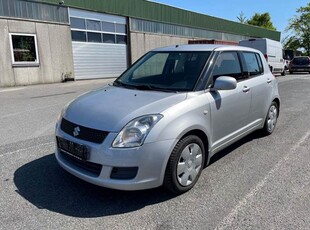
x=162 y=120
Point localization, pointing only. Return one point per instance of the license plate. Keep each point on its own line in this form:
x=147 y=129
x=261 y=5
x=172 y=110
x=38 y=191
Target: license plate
x=77 y=150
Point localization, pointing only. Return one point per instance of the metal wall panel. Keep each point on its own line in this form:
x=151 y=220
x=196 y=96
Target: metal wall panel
x=33 y=10
x=93 y=60
x=144 y=26
x=163 y=13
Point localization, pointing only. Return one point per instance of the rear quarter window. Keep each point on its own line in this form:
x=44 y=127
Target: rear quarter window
x=253 y=63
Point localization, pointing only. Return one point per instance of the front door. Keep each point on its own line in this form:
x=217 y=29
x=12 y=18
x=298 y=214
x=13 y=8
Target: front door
x=229 y=108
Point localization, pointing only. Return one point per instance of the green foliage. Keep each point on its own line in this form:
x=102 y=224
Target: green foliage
x=261 y=20
x=291 y=43
x=242 y=18
x=300 y=27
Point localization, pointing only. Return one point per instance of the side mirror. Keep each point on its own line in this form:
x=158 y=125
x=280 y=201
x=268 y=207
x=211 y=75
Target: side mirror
x=225 y=83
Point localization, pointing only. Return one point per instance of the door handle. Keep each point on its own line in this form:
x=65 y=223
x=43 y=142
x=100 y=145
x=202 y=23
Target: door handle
x=269 y=81
x=246 y=89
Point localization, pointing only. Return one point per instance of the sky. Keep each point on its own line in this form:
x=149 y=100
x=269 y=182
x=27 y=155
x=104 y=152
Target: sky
x=280 y=11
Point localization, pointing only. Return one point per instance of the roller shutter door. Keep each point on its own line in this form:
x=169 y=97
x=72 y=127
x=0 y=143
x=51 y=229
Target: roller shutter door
x=99 y=43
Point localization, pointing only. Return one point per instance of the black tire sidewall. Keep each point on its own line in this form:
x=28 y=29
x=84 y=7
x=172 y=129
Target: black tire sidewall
x=265 y=129
x=174 y=159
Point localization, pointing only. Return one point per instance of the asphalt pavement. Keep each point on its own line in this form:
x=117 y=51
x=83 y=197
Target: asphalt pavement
x=257 y=183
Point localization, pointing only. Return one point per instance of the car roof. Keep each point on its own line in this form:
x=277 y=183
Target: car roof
x=203 y=47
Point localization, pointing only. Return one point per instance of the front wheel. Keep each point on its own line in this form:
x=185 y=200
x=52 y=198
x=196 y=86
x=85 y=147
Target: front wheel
x=271 y=119
x=185 y=165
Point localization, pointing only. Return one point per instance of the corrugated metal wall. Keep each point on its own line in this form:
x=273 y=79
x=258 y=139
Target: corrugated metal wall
x=93 y=60
x=33 y=10
x=162 y=13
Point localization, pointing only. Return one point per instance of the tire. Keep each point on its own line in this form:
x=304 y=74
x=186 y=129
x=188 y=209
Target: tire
x=283 y=73
x=185 y=165
x=271 y=119
x=291 y=72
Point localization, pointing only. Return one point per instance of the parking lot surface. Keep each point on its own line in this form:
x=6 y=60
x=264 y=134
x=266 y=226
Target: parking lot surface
x=257 y=183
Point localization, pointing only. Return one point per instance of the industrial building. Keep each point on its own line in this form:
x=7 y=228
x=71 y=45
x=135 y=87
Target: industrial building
x=48 y=41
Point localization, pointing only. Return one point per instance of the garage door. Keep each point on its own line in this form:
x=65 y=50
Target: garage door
x=99 y=43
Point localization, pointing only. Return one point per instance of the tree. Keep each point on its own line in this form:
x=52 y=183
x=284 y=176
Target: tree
x=241 y=18
x=291 y=43
x=300 y=27
x=261 y=20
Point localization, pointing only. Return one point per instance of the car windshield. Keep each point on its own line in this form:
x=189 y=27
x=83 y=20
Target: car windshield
x=165 y=71
x=301 y=61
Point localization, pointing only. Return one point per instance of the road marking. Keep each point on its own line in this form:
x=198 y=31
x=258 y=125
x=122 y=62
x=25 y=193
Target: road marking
x=11 y=89
x=21 y=150
x=229 y=219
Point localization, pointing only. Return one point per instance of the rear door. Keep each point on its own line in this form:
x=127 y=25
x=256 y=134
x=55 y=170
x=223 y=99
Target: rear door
x=229 y=108
x=260 y=84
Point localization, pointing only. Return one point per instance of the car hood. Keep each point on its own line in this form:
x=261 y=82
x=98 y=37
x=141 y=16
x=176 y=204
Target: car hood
x=111 y=108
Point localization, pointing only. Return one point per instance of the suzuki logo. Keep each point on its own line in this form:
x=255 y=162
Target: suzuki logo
x=76 y=131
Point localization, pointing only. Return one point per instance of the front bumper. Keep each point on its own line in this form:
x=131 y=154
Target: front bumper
x=150 y=160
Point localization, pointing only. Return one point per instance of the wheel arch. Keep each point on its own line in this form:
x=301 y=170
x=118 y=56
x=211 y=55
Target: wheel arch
x=204 y=138
x=277 y=101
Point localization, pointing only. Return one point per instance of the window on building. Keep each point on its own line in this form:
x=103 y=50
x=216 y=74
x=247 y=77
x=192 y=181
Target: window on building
x=121 y=39
x=77 y=23
x=24 y=49
x=108 y=27
x=93 y=25
x=98 y=31
x=78 y=36
x=120 y=28
x=94 y=37
x=108 y=38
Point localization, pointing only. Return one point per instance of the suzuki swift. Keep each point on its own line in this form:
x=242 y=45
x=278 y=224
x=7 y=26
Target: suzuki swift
x=162 y=120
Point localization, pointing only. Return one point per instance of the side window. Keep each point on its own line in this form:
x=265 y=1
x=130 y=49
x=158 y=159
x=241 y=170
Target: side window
x=253 y=63
x=227 y=64
x=260 y=63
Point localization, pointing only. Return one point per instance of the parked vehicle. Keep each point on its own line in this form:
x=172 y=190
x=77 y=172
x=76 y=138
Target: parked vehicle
x=162 y=120
x=289 y=54
x=272 y=50
x=300 y=64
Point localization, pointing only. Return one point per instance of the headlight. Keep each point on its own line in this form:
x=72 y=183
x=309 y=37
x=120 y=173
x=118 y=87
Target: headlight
x=135 y=132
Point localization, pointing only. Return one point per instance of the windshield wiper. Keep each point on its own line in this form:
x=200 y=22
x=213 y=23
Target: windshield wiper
x=155 y=88
x=119 y=83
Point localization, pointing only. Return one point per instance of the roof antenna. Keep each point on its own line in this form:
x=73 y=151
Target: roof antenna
x=176 y=46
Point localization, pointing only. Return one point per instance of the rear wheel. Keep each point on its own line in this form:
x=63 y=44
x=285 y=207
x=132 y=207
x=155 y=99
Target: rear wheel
x=283 y=73
x=271 y=119
x=185 y=165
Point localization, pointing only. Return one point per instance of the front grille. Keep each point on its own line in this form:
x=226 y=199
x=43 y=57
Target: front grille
x=84 y=133
x=124 y=173
x=93 y=168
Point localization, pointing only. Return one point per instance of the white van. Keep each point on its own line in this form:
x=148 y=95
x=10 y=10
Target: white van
x=272 y=50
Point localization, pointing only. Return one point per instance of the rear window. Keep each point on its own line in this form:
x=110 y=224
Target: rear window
x=301 y=61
